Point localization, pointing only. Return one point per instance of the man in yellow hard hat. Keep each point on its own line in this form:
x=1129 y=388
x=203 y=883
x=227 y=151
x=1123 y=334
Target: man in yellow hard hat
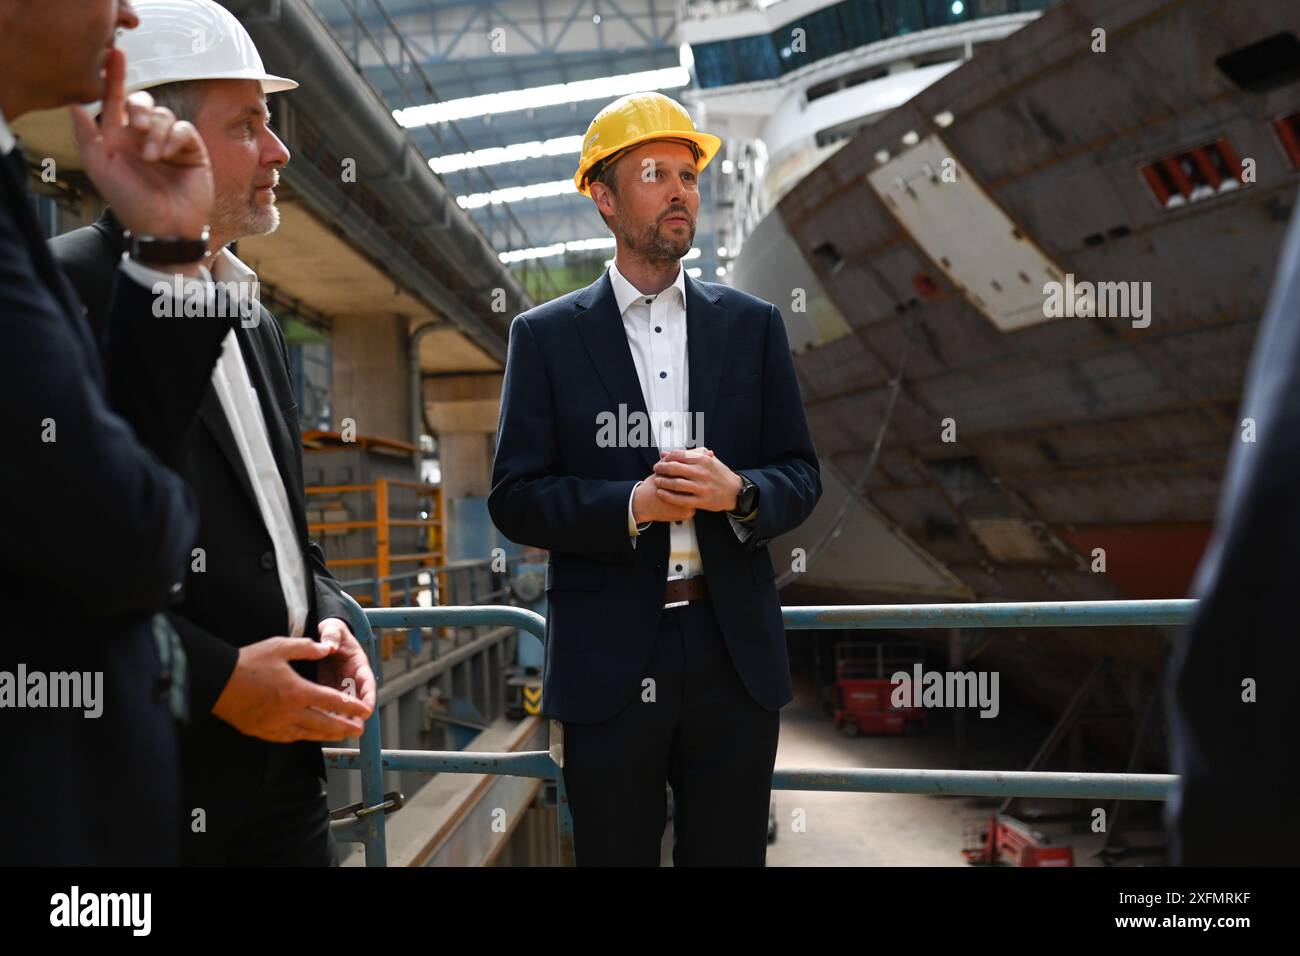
x=652 y=437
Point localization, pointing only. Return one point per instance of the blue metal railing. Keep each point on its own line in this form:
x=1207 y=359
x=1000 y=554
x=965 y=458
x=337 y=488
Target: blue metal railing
x=372 y=761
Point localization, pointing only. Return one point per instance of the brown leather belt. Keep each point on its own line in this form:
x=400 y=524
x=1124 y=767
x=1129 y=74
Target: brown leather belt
x=680 y=591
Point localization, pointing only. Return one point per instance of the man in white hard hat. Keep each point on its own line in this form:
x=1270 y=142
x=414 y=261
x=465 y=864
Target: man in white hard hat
x=260 y=594
x=652 y=438
x=95 y=530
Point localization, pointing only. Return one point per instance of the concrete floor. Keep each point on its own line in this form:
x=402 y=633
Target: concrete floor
x=881 y=829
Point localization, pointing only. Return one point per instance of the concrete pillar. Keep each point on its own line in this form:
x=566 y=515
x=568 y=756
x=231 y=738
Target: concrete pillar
x=463 y=410
x=370 y=383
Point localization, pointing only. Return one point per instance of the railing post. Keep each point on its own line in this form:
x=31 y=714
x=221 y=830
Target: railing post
x=563 y=819
x=372 y=770
x=957 y=664
x=383 y=555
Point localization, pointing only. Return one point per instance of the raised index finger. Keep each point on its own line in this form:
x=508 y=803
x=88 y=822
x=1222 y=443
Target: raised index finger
x=114 y=109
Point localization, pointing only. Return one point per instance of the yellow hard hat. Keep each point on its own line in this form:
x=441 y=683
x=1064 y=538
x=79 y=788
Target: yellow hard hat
x=634 y=119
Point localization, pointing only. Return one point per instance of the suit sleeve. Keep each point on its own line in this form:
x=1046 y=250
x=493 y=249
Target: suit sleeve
x=78 y=481
x=160 y=366
x=530 y=502
x=1230 y=689
x=159 y=357
x=210 y=661
x=329 y=593
x=789 y=480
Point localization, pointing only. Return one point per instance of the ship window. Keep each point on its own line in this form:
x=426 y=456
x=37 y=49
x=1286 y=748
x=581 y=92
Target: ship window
x=900 y=16
x=1197 y=174
x=855 y=78
x=756 y=58
x=1288 y=130
x=833 y=134
x=938 y=56
x=941 y=12
x=822 y=37
x=714 y=64
x=828 y=256
x=860 y=23
x=1264 y=65
x=822 y=89
x=837 y=28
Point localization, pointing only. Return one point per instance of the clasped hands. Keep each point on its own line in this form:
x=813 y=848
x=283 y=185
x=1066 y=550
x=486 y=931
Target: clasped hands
x=265 y=697
x=685 y=480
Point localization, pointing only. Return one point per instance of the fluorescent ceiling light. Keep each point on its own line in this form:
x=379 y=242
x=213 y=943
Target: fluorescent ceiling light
x=556 y=94
x=515 y=152
x=559 y=248
x=556 y=187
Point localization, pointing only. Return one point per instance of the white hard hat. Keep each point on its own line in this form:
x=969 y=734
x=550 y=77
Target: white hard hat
x=180 y=40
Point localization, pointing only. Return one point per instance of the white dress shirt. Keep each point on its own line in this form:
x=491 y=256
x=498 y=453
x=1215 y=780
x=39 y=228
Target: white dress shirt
x=656 y=334
x=244 y=412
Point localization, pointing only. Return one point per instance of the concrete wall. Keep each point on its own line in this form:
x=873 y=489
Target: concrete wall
x=370 y=382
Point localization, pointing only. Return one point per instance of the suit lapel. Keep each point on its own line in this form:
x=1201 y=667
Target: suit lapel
x=213 y=415
x=601 y=328
x=255 y=345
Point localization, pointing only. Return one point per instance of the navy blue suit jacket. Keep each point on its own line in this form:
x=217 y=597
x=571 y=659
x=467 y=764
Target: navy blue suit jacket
x=555 y=487
x=95 y=537
x=1240 y=760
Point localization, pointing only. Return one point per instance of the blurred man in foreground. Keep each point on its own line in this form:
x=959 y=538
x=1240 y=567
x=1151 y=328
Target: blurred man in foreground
x=96 y=531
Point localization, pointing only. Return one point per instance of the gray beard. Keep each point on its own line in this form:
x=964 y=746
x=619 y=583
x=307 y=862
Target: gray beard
x=243 y=219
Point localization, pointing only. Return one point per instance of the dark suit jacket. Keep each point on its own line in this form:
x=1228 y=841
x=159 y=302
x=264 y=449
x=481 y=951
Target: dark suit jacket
x=554 y=487
x=94 y=540
x=237 y=600
x=1240 y=761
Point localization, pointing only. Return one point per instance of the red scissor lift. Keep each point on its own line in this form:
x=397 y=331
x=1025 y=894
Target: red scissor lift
x=1004 y=839
x=863 y=688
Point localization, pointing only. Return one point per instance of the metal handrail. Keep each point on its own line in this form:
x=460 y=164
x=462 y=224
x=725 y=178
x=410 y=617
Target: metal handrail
x=372 y=761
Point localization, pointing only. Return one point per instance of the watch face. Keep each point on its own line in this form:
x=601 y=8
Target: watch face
x=745 y=500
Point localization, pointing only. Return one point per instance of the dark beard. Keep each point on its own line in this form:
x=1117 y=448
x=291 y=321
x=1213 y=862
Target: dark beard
x=653 y=246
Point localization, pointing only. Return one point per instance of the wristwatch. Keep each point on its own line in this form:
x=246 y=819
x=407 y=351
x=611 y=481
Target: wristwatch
x=167 y=250
x=746 y=499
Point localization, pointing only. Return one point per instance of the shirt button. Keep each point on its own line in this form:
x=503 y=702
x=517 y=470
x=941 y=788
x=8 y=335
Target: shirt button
x=648 y=301
x=676 y=522
x=663 y=374
x=658 y=328
x=268 y=561
x=679 y=567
